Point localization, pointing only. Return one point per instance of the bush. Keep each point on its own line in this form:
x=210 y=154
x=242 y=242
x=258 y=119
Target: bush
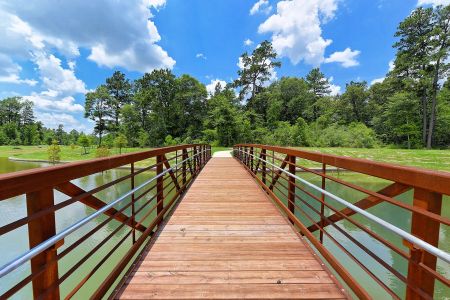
x=102 y=152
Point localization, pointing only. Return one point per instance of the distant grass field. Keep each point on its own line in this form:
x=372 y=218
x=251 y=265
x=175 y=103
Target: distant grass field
x=428 y=159
x=69 y=154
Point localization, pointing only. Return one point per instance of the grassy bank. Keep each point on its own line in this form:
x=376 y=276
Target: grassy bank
x=68 y=153
x=429 y=159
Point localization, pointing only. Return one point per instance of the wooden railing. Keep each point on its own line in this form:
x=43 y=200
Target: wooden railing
x=325 y=219
x=115 y=239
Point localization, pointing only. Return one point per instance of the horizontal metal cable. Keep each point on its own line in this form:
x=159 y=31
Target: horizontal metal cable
x=407 y=236
x=23 y=258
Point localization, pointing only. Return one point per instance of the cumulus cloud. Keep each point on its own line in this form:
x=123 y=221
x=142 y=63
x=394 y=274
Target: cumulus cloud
x=9 y=72
x=49 y=101
x=346 y=58
x=210 y=88
x=433 y=2
x=261 y=6
x=334 y=89
x=52 y=120
x=377 y=80
x=114 y=38
x=296 y=29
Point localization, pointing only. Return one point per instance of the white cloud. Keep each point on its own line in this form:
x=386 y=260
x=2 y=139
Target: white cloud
x=261 y=6
x=50 y=101
x=52 y=120
x=248 y=42
x=391 y=65
x=296 y=31
x=334 y=89
x=377 y=80
x=55 y=77
x=200 y=55
x=346 y=58
x=115 y=38
x=9 y=72
x=433 y=2
x=210 y=88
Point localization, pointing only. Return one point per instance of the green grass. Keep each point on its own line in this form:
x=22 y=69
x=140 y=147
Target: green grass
x=69 y=154
x=428 y=159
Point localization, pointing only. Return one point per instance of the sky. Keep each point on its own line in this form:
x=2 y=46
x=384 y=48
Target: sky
x=54 y=52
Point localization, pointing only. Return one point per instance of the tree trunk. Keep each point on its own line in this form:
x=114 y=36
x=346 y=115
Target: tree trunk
x=424 y=117
x=433 y=105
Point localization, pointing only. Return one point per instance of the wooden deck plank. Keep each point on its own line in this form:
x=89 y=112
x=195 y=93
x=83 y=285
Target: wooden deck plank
x=227 y=240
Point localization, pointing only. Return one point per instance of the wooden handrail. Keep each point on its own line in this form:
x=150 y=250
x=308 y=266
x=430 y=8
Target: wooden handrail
x=436 y=181
x=17 y=183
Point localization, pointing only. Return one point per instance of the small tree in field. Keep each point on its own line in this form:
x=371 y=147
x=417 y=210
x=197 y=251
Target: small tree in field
x=120 y=142
x=102 y=152
x=54 y=152
x=84 y=142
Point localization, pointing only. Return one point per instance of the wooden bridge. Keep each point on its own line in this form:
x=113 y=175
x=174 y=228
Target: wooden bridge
x=249 y=226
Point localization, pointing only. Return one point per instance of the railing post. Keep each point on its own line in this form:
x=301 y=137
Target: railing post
x=194 y=159
x=251 y=159
x=427 y=230
x=39 y=230
x=291 y=194
x=133 y=216
x=322 y=205
x=159 y=186
x=185 y=157
x=263 y=156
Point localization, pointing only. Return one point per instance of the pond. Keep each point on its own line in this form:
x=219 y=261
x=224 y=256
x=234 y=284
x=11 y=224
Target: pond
x=16 y=242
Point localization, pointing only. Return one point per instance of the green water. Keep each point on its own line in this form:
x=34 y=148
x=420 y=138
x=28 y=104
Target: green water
x=16 y=242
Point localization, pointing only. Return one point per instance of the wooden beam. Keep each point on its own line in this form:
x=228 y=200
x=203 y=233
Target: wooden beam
x=428 y=231
x=72 y=190
x=39 y=230
x=391 y=190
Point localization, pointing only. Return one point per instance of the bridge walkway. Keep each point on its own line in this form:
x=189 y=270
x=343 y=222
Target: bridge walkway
x=226 y=239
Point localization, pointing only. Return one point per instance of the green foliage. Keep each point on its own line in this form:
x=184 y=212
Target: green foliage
x=170 y=141
x=102 y=152
x=120 y=142
x=84 y=142
x=54 y=152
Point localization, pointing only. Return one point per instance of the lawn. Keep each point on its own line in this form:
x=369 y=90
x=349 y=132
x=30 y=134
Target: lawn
x=69 y=154
x=429 y=159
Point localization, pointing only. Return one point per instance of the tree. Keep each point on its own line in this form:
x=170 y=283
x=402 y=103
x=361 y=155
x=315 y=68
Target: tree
x=54 y=152
x=320 y=87
x=119 y=89
x=120 y=142
x=440 y=51
x=84 y=142
x=97 y=109
x=255 y=70
x=353 y=102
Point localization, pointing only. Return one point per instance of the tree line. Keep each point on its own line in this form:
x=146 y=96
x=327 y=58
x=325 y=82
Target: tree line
x=410 y=108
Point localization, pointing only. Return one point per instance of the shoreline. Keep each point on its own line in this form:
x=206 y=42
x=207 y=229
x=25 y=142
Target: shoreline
x=298 y=170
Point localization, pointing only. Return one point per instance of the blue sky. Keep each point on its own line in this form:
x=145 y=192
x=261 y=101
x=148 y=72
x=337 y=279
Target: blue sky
x=53 y=52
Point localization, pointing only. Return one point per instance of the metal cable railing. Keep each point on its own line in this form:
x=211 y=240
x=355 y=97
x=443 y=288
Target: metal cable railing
x=23 y=258
x=400 y=232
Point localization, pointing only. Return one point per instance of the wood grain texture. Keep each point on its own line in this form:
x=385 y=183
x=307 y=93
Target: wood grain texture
x=227 y=240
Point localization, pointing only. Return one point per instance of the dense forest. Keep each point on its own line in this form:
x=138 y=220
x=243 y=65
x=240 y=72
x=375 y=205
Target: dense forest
x=410 y=108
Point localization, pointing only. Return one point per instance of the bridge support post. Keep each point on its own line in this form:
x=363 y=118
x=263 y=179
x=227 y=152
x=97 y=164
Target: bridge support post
x=427 y=230
x=133 y=216
x=194 y=156
x=184 y=158
x=291 y=193
x=252 y=159
x=159 y=186
x=322 y=205
x=263 y=156
x=39 y=230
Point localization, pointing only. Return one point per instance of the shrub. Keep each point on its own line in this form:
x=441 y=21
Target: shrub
x=54 y=152
x=102 y=152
